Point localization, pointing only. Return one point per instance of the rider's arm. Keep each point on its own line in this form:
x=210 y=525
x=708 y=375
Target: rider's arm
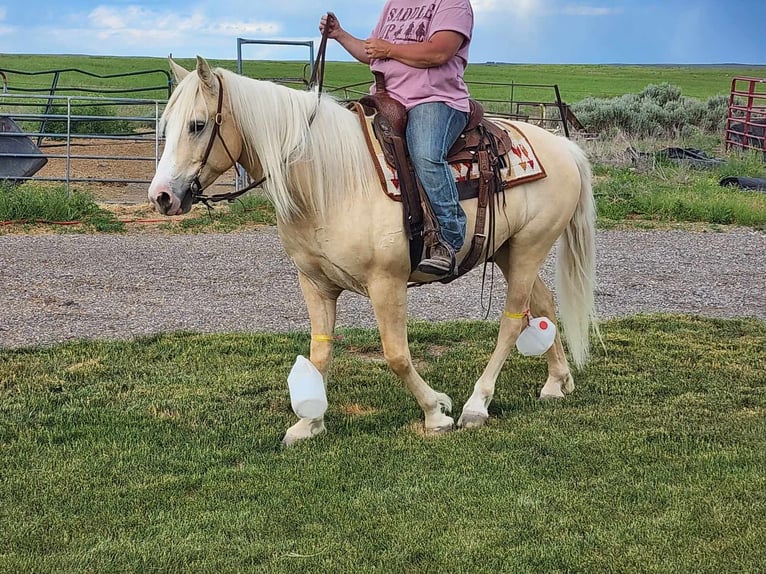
x=330 y=25
x=439 y=49
x=353 y=46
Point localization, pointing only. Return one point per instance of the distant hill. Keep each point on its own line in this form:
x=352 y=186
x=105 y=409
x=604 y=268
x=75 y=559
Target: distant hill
x=720 y=65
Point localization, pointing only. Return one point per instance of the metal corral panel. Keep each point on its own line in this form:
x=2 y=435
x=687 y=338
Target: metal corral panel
x=746 y=118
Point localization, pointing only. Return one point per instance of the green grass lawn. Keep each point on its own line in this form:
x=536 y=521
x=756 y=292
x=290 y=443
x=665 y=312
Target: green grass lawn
x=162 y=454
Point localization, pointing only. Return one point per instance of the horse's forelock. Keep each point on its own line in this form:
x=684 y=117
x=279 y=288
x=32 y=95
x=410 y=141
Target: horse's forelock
x=182 y=102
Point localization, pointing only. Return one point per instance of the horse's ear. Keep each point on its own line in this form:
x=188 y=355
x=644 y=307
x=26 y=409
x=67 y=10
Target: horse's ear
x=179 y=73
x=204 y=72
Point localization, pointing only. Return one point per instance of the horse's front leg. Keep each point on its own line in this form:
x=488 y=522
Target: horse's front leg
x=321 y=307
x=389 y=301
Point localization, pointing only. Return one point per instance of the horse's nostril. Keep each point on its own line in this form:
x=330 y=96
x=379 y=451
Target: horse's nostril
x=164 y=201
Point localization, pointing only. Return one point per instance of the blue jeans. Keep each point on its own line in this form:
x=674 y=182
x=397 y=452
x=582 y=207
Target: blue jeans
x=432 y=129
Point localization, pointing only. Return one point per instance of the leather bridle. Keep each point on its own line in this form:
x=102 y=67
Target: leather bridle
x=196 y=186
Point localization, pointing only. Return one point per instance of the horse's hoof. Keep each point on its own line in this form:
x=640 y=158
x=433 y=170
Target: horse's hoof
x=556 y=395
x=445 y=427
x=472 y=419
x=299 y=432
x=553 y=389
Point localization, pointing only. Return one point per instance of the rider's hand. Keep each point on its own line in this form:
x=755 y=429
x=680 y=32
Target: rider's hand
x=377 y=49
x=330 y=22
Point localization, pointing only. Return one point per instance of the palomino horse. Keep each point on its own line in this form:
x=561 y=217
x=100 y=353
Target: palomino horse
x=343 y=233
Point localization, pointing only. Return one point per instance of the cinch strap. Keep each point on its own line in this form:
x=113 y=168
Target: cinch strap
x=322 y=338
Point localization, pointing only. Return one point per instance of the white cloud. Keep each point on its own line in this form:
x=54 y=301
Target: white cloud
x=230 y=28
x=106 y=17
x=136 y=24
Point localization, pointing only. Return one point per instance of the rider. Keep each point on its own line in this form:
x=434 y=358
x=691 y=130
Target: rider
x=421 y=48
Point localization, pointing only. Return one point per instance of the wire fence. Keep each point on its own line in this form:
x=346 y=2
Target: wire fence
x=112 y=145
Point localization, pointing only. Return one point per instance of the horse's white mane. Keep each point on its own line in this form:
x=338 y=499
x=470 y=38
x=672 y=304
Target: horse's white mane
x=309 y=168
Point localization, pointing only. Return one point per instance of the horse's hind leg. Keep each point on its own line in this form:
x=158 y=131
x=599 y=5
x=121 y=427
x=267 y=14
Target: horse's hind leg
x=560 y=382
x=389 y=301
x=525 y=290
x=321 y=307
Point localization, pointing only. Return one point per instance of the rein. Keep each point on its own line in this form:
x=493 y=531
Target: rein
x=317 y=79
x=317 y=72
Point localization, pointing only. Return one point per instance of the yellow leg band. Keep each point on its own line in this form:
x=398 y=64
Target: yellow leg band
x=322 y=338
x=515 y=315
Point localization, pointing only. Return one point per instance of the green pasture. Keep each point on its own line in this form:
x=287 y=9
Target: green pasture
x=576 y=82
x=162 y=454
x=661 y=192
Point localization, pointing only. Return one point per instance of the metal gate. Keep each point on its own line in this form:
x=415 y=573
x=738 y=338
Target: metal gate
x=109 y=146
x=746 y=118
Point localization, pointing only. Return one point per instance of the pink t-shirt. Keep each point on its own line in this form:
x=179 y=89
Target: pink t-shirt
x=412 y=21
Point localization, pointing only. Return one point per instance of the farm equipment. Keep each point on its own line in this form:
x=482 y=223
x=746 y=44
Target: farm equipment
x=19 y=156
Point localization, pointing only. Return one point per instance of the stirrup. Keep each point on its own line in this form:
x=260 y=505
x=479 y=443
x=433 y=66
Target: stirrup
x=439 y=265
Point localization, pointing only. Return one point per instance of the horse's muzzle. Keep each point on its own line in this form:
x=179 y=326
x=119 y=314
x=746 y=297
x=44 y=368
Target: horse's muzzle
x=169 y=203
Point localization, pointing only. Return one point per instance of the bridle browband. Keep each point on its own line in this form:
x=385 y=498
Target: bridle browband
x=317 y=79
x=196 y=187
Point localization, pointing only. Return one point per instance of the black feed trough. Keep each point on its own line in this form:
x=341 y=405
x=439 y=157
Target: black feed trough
x=19 y=156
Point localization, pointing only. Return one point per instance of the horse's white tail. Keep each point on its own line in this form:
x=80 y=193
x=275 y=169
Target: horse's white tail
x=576 y=268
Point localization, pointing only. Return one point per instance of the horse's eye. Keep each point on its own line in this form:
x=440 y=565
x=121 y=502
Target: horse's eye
x=196 y=126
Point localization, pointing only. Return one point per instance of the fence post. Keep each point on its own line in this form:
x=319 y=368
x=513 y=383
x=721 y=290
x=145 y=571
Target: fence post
x=68 y=141
x=562 y=111
x=156 y=135
x=48 y=106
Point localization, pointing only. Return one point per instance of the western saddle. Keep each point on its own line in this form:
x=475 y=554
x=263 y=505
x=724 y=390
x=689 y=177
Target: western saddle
x=481 y=142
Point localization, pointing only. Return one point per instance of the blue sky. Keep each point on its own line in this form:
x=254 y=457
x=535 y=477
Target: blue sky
x=526 y=31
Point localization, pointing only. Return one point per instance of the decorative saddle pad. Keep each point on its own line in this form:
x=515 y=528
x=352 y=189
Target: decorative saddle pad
x=520 y=165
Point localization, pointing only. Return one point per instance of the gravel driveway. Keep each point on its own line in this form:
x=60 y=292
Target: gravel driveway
x=61 y=287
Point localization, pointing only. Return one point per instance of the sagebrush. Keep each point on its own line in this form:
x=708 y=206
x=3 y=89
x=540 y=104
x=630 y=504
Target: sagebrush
x=657 y=111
